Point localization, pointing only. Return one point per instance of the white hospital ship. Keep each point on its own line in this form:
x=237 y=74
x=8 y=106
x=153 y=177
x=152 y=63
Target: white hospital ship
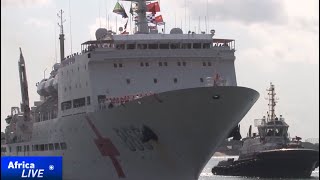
x=136 y=106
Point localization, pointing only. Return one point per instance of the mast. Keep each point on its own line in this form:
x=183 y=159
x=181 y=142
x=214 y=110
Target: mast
x=25 y=108
x=142 y=17
x=61 y=35
x=272 y=103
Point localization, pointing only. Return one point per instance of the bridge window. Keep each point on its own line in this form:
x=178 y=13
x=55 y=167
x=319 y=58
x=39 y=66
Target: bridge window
x=184 y=63
x=147 y=64
x=128 y=81
x=179 y=63
x=165 y=64
x=51 y=147
x=206 y=45
x=131 y=46
x=153 y=46
x=66 y=105
x=197 y=46
x=160 y=63
x=186 y=46
x=120 y=46
x=56 y=146
x=175 y=46
x=41 y=147
x=204 y=64
x=175 y=80
x=79 y=102
x=115 y=65
x=201 y=79
x=155 y=80
x=120 y=64
x=141 y=64
x=142 y=46
x=164 y=46
x=209 y=63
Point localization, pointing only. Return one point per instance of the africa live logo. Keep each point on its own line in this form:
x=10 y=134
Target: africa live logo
x=31 y=167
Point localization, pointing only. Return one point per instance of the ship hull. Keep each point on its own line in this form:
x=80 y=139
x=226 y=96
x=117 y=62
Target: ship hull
x=186 y=126
x=285 y=163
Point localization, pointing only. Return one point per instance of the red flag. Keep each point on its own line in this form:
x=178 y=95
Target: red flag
x=153 y=7
x=158 y=19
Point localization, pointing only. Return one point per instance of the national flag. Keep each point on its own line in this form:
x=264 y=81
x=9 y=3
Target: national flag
x=118 y=9
x=153 y=7
x=158 y=19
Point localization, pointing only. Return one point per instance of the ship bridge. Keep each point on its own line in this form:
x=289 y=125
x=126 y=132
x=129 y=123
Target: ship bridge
x=159 y=41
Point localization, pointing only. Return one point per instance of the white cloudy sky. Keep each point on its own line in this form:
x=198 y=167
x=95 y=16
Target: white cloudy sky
x=276 y=41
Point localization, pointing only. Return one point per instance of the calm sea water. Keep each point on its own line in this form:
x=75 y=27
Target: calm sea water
x=207 y=175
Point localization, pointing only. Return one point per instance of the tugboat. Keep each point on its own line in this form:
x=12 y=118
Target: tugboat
x=270 y=153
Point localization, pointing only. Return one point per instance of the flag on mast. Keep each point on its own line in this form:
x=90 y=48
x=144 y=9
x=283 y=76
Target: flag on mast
x=118 y=9
x=153 y=7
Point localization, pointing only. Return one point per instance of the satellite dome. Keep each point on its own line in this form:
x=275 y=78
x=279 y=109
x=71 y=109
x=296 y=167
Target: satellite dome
x=176 y=31
x=100 y=33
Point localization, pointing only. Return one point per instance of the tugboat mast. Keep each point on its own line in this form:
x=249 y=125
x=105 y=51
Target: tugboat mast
x=61 y=35
x=272 y=103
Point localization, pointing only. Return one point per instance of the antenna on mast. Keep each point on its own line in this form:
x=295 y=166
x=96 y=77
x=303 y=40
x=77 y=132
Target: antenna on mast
x=61 y=35
x=55 y=44
x=185 y=14
x=207 y=18
x=70 y=27
x=99 y=13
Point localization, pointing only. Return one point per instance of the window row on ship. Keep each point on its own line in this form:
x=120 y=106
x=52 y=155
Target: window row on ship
x=148 y=64
x=38 y=147
x=173 y=45
x=164 y=46
x=81 y=102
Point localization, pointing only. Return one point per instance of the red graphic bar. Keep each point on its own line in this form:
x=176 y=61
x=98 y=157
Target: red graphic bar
x=107 y=148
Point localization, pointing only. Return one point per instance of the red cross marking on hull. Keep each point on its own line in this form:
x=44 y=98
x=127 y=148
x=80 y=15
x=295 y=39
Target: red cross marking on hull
x=107 y=148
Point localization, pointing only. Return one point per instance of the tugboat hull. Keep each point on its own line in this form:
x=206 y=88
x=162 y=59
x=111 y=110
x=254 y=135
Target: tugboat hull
x=297 y=163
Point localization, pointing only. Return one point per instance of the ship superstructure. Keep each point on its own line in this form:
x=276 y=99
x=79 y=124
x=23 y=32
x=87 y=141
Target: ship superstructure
x=141 y=106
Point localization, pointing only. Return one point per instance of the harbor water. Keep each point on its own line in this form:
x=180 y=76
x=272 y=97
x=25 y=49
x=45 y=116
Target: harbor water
x=207 y=175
